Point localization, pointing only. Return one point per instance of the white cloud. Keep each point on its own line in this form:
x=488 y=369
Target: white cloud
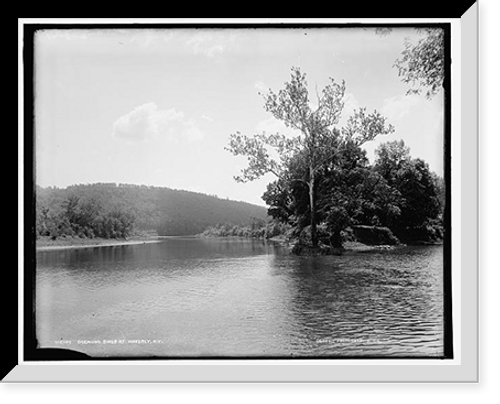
x=396 y=108
x=147 y=121
x=136 y=125
x=272 y=125
x=211 y=43
x=191 y=131
x=204 y=44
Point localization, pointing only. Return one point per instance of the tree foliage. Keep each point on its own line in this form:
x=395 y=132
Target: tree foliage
x=397 y=192
x=257 y=228
x=422 y=65
x=77 y=217
x=421 y=192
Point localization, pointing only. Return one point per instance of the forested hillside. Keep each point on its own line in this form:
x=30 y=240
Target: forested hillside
x=110 y=210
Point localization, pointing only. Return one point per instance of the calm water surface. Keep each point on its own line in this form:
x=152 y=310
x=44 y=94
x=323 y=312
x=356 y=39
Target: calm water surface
x=239 y=298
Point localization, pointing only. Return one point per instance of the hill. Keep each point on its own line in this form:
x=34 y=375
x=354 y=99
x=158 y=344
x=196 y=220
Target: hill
x=111 y=210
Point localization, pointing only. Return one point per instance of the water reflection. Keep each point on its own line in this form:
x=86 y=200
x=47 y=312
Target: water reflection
x=220 y=297
x=383 y=304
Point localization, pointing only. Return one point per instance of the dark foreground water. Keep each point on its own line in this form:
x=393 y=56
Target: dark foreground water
x=238 y=298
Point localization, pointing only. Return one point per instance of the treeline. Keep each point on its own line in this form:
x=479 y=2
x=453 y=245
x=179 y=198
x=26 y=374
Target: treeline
x=116 y=211
x=75 y=217
x=396 y=192
x=257 y=228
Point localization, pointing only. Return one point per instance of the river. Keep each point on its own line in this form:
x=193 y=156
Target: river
x=239 y=298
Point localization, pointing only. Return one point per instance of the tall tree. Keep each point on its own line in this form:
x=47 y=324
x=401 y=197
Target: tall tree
x=318 y=139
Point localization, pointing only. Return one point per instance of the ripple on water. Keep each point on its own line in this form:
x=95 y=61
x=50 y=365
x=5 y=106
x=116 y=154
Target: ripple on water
x=241 y=299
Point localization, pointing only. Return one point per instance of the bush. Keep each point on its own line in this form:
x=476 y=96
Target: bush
x=428 y=232
x=373 y=235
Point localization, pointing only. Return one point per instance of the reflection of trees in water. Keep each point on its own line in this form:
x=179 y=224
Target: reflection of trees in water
x=97 y=266
x=73 y=258
x=318 y=296
x=385 y=297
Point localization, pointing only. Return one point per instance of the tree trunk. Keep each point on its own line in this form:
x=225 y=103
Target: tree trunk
x=312 y=204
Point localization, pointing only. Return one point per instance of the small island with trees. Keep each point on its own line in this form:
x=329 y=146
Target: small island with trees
x=326 y=192
x=397 y=200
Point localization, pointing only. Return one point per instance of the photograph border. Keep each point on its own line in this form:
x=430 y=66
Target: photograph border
x=455 y=338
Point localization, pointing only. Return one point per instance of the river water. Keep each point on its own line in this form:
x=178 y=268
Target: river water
x=238 y=298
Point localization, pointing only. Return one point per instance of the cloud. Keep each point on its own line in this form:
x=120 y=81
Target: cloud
x=396 y=108
x=211 y=44
x=191 y=131
x=147 y=121
x=272 y=125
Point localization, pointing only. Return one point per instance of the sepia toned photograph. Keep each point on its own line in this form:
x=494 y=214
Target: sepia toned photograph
x=265 y=191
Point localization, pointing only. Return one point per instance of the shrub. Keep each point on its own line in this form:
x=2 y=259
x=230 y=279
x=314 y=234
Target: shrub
x=373 y=235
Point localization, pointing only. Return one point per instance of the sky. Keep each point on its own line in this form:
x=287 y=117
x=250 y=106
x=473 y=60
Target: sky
x=157 y=107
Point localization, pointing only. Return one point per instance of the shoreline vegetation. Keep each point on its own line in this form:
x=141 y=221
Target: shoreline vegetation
x=360 y=238
x=293 y=245
x=109 y=211
x=67 y=243
x=77 y=221
x=64 y=243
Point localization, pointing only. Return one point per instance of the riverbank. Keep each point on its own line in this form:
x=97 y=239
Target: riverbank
x=296 y=248
x=46 y=244
x=348 y=247
x=356 y=246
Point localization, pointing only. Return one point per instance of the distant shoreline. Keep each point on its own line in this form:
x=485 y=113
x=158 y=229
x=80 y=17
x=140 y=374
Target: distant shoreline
x=67 y=243
x=77 y=243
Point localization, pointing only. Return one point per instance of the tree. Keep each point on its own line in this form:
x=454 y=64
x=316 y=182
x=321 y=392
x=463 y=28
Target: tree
x=352 y=193
x=420 y=199
x=440 y=187
x=318 y=139
x=420 y=192
x=390 y=158
x=422 y=65
x=349 y=192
